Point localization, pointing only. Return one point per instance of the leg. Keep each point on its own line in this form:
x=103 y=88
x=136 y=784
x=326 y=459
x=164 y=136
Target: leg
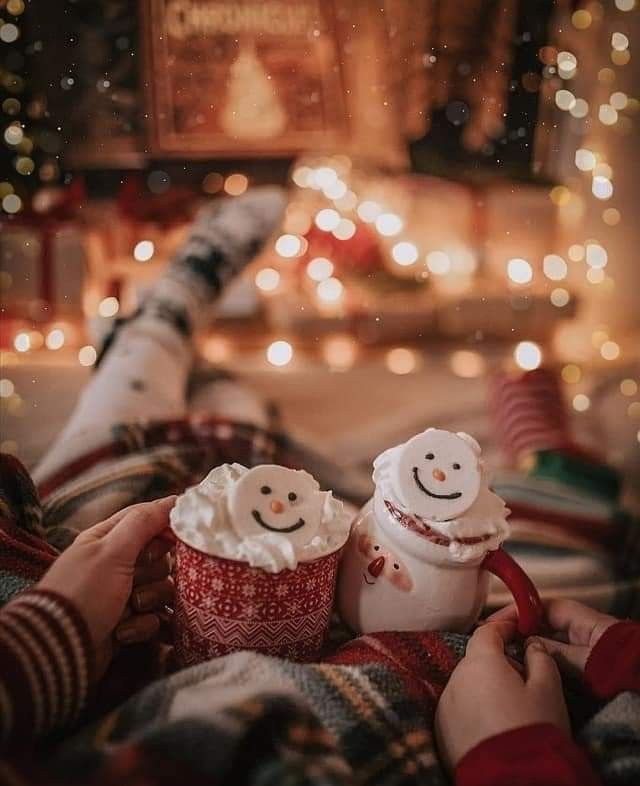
x=143 y=372
x=218 y=395
x=143 y=376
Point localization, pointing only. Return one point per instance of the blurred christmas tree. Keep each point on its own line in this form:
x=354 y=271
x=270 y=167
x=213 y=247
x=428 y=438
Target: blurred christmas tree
x=253 y=109
x=31 y=142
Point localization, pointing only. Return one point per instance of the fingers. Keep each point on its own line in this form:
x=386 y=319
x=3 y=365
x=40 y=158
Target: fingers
x=154 y=550
x=136 y=629
x=541 y=668
x=153 y=596
x=154 y=571
x=490 y=638
x=509 y=612
x=138 y=527
x=571 y=658
x=582 y=624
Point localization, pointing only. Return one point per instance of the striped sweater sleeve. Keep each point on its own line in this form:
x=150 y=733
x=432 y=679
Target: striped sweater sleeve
x=46 y=666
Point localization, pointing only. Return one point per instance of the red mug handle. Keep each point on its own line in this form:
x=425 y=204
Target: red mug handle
x=525 y=594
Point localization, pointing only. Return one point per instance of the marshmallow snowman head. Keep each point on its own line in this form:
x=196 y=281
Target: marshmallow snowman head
x=437 y=474
x=273 y=499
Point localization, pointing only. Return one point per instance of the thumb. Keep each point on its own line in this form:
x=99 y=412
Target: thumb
x=571 y=658
x=490 y=638
x=540 y=666
x=137 y=527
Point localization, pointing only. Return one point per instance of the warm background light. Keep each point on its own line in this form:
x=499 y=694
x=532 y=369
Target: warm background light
x=279 y=353
x=320 y=269
x=267 y=279
x=528 y=355
x=401 y=361
x=143 y=251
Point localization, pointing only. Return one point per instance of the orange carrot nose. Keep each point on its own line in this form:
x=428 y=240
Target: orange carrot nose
x=438 y=474
x=375 y=567
x=276 y=506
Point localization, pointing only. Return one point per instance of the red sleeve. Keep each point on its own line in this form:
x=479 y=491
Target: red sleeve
x=614 y=663
x=535 y=755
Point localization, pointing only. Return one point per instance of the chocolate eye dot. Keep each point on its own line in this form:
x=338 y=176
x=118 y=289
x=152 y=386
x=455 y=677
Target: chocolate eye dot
x=265 y=490
x=376 y=548
x=396 y=566
x=456 y=466
x=429 y=456
x=292 y=496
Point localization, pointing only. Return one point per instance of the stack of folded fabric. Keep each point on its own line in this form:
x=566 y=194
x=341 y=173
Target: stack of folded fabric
x=569 y=530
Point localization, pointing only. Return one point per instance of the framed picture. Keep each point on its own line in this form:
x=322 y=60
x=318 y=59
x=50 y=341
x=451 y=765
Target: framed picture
x=242 y=77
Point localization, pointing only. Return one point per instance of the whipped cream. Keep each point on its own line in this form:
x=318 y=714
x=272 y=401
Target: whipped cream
x=269 y=517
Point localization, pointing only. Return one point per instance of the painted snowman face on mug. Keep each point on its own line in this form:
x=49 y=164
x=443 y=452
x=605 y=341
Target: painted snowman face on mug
x=437 y=474
x=269 y=498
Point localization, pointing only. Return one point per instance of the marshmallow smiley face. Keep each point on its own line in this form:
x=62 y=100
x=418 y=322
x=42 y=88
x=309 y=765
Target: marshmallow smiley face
x=273 y=499
x=437 y=474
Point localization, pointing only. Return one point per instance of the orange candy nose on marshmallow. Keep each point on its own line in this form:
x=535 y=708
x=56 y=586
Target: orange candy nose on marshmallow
x=276 y=506
x=375 y=567
x=438 y=474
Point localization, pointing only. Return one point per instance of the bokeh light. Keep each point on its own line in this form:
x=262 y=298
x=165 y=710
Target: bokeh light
x=340 y=352
x=602 y=187
x=389 y=224
x=581 y=402
x=519 y=271
x=528 y=355
x=404 y=253
x=368 y=211
x=319 y=269
x=438 y=262
x=288 y=246
x=559 y=297
x=22 y=342
x=331 y=290
x=236 y=184
x=467 y=364
x=401 y=360
x=327 y=219
x=571 y=373
x=345 y=229
x=55 y=339
x=267 y=279
x=628 y=387
x=144 y=250
x=554 y=267
x=610 y=350
x=109 y=307
x=87 y=355
x=279 y=353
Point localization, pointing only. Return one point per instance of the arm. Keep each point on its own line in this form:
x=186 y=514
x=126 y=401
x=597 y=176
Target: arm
x=613 y=664
x=46 y=665
x=58 y=638
x=607 y=653
x=601 y=649
x=498 y=724
x=534 y=755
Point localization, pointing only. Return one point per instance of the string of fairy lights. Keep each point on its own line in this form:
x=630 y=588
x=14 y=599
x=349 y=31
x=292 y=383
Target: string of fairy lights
x=327 y=198
x=614 y=113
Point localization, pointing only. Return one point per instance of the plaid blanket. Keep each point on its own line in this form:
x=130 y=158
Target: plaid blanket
x=363 y=715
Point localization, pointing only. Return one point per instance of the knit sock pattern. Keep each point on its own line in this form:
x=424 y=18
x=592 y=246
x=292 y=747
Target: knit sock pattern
x=225 y=237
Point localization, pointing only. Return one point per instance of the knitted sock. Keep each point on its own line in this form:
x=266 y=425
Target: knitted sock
x=225 y=237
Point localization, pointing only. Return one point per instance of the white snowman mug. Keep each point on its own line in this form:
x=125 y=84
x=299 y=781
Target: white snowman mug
x=429 y=570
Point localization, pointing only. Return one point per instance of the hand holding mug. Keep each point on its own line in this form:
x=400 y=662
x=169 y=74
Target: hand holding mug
x=487 y=695
x=116 y=574
x=575 y=629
